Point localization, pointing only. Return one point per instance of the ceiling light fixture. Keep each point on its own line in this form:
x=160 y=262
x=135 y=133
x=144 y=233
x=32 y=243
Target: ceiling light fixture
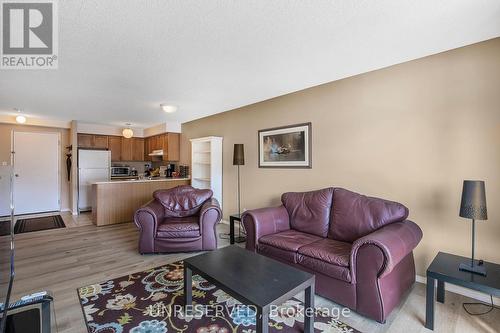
x=20 y=119
x=127 y=132
x=168 y=108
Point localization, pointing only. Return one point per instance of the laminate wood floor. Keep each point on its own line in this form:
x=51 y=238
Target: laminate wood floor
x=61 y=260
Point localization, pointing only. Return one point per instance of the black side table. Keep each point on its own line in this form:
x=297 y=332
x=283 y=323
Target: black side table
x=232 y=239
x=444 y=268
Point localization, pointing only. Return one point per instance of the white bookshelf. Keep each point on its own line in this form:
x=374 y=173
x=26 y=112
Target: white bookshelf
x=206 y=164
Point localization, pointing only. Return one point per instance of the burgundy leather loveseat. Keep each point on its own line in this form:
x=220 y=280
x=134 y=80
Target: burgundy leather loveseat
x=358 y=247
x=178 y=220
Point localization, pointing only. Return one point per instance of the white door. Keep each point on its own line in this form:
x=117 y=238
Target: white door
x=36 y=170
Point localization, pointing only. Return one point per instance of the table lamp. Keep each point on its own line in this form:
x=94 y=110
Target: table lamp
x=473 y=206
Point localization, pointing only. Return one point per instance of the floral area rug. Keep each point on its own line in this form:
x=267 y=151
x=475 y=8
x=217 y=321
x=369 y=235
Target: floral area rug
x=152 y=302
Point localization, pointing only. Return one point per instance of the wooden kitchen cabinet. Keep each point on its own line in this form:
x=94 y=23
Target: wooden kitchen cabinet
x=92 y=141
x=126 y=149
x=147 y=149
x=132 y=149
x=171 y=146
x=115 y=146
x=85 y=140
x=168 y=142
x=138 y=149
x=122 y=149
x=101 y=141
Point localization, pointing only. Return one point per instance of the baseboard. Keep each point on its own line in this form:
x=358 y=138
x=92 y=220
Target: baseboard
x=464 y=291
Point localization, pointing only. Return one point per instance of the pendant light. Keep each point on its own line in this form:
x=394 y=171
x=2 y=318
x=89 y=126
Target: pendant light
x=127 y=132
x=20 y=119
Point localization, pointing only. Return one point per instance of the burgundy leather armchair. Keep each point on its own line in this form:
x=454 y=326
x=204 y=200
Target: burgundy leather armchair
x=358 y=247
x=181 y=219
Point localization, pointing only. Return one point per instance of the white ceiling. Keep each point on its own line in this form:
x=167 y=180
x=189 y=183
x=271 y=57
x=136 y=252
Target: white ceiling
x=119 y=59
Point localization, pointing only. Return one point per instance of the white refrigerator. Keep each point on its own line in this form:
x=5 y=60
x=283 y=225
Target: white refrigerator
x=93 y=166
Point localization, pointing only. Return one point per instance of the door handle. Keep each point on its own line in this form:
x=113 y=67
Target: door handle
x=16 y=175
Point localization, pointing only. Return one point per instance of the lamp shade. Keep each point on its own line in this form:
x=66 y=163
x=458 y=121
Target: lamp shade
x=239 y=154
x=473 y=205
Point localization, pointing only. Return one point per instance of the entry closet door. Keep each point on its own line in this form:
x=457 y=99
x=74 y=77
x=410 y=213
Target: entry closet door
x=36 y=172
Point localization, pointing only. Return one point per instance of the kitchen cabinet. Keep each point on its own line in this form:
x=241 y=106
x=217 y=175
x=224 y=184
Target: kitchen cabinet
x=115 y=146
x=132 y=149
x=101 y=141
x=85 y=140
x=137 y=149
x=171 y=146
x=147 y=149
x=126 y=149
x=168 y=142
x=92 y=141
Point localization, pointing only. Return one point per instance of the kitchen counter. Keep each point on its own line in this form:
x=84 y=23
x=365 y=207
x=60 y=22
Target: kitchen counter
x=116 y=201
x=145 y=180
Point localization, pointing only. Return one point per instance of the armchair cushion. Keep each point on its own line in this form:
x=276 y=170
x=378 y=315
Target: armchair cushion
x=175 y=227
x=309 y=211
x=355 y=215
x=182 y=201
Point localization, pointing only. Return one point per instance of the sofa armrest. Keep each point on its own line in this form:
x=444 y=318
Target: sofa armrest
x=146 y=219
x=395 y=241
x=211 y=204
x=210 y=214
x=264 y=221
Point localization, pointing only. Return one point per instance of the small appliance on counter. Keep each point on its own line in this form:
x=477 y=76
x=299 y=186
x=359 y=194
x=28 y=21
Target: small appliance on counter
x=120 y=171
x=170 y=170
x=183 y=171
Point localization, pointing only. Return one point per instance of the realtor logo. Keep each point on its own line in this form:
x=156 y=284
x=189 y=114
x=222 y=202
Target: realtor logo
x=29 y=34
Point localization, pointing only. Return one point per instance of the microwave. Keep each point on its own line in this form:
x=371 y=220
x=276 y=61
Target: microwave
x=120 y=171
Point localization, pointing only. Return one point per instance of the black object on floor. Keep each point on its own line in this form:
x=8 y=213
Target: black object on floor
x=5 y=228
x=39 y=224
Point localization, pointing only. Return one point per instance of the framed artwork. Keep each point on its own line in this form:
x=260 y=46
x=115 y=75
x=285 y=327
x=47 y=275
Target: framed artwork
x=285 y=147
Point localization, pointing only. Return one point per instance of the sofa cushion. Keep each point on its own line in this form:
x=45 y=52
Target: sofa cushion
x=309 y=211
x=290 y=240
x=277 y=253
x=175 y=227
x=355 y=215
x=329 y=250
x=323 y=267
x=182 y=200
x=285 y=244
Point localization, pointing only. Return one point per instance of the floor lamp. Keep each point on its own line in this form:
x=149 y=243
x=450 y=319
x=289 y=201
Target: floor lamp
x=239 y=159
x=473 y=206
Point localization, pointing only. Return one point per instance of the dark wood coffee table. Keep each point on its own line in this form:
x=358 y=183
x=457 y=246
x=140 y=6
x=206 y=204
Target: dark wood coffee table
x=253 y=280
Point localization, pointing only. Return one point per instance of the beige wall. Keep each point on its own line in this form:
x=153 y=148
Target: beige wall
x=5 y=148
x=411 y=133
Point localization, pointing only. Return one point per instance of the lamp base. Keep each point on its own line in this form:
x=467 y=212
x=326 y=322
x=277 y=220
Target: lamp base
x=481 y=270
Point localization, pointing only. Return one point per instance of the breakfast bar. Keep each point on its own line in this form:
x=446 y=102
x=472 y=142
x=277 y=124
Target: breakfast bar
x=116 y=201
